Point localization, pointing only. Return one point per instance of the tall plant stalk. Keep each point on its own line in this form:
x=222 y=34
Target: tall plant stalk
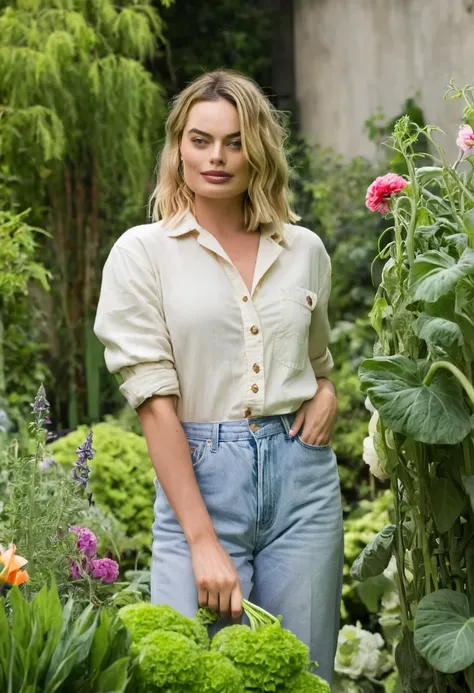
x=423 y=391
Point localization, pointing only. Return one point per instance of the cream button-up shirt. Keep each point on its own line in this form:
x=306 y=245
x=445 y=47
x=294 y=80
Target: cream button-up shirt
x=176 y=318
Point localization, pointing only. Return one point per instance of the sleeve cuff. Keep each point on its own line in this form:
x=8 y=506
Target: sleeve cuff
x=323 y=365
x=147 y=379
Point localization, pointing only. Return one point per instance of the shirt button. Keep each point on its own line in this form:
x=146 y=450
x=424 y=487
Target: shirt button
x=254 y=329
x=247 y=413
x=256 y=368
x=254 y=388
x=275 y=237
x=309 y=301
x=245 y=299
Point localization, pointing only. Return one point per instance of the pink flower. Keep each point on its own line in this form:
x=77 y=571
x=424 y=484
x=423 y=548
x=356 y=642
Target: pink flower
x=105 y=569
x=465 y=139
x=77 y=572
x=381 y=190
x=86 y=540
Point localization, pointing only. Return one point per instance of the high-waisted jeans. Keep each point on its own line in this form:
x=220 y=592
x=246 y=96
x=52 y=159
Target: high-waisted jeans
x=275 y=504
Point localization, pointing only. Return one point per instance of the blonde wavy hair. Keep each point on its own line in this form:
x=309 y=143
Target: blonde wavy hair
x=263 y=138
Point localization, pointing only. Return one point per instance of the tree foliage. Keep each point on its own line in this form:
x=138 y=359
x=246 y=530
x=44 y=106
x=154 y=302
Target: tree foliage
x=79 y=119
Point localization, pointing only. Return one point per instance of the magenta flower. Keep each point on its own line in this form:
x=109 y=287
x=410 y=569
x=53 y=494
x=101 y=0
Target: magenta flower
x=77 y=572
x=105 y=569
x=465 y=138
x=381 y=190
x=86 y=540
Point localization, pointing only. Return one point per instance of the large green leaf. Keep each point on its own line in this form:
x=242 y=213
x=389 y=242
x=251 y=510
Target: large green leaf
x=444 y=631
x=437 y=331
x=447 y=502
x=430 y=414
x=435 y=273
x=115 y=678
x=376 y=556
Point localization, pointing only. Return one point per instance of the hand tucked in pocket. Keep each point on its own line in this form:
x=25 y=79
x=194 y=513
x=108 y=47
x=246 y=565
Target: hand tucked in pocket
x=317 y=416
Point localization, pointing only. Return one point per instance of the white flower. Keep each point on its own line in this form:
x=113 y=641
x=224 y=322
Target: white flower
x=370 y=457
x=359 y=653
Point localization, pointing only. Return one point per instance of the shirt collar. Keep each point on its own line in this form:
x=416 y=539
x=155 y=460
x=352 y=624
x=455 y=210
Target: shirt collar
x=281 y=234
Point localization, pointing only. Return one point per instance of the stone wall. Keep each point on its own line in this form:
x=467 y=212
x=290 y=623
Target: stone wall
x=353 y=57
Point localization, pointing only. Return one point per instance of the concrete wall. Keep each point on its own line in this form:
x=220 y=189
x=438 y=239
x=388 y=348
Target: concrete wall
x=355 y=56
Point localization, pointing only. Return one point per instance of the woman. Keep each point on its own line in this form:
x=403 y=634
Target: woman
x=216 y=319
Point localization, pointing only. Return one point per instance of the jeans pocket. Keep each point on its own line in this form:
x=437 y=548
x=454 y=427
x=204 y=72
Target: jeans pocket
x=327 y=446
x=198 y=450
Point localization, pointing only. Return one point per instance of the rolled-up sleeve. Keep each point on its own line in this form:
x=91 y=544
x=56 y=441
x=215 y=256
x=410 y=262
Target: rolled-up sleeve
x=319 y=353
x=131 y=325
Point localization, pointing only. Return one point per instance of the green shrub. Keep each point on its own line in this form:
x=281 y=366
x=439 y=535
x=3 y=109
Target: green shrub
x=47 y=647
x=122 y=476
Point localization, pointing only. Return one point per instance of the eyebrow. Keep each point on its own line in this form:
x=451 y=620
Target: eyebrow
x=206 y=134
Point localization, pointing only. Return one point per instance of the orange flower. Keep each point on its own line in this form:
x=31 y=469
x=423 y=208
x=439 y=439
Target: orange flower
x=12 y=572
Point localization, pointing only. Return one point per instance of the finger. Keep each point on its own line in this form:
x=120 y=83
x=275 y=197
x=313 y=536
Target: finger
x=213 y=600
x=224 y=602
x=202 y=597
x=297 y=423
x=236 y=603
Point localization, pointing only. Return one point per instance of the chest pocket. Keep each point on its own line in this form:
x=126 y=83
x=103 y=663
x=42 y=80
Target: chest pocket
x=292 y=334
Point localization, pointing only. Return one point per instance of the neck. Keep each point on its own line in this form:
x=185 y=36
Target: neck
x=220 y=217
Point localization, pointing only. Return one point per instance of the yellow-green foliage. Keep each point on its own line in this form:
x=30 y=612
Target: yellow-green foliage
x=122 y=475
x=359 y=529
x=144 y=618
x=363 y=524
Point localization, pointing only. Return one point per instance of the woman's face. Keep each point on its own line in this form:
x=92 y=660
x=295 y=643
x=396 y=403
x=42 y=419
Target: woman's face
x=214 y=164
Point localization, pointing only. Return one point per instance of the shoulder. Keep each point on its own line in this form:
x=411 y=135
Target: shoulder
x=303 y=238
x=141 y=245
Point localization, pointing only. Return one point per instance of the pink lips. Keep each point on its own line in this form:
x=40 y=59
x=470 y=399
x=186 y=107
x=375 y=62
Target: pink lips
x=216 y=176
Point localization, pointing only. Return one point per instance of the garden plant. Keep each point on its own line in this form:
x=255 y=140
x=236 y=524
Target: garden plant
x=419 y=384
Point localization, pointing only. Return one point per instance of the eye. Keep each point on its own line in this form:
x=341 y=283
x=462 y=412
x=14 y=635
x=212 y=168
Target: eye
x=198 y=140
x=236 y=144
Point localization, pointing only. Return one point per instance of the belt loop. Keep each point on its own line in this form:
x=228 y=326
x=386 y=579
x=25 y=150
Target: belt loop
x=285 y=419
x=215 y=437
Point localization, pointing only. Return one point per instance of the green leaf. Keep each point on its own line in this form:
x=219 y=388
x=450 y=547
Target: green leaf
x=468 y=220
x=444 y=631
x=435 y=273
x=376 y=556
x=438 y=331
x=447 y=502
x=468 y=482
x=115 y=678
x=434 y=413
x=426 y=174
x=414 y=673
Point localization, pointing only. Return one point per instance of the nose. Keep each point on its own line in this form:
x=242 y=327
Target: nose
x=217 y=154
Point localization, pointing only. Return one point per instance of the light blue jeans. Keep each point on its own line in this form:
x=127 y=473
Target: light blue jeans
x=275 y=503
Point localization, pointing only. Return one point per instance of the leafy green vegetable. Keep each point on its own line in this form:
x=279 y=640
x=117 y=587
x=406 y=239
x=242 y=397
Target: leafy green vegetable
x=168 y=661
x=266 y=657
x=217 y=674
x=144 y=618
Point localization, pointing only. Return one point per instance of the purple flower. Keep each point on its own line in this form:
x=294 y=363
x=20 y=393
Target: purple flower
x=86 y=540
x=47 y=462
x=41 y=403
x=105 y=569
x=81 y=470
x=77 y=572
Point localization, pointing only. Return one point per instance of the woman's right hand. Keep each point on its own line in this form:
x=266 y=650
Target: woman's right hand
x=216 y=578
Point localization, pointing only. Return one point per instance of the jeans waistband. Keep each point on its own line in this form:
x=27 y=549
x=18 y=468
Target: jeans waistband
x=240 y=429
